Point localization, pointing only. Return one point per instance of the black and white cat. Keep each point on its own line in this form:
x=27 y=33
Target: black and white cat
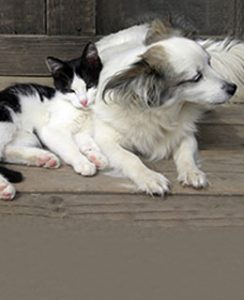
x=32 y=115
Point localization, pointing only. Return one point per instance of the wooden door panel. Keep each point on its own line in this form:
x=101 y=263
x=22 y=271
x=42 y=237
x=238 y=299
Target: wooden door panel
x=73 y=17
x=22 y=17
x=209 y=17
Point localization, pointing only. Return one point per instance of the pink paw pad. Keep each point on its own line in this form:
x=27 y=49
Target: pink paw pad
x=7 y=192
x=7 y=196
x=99 y=162
x=48 y=161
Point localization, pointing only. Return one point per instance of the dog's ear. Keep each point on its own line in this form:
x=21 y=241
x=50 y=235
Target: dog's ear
x=159 y=30
x=146 y=81
x=163 y=29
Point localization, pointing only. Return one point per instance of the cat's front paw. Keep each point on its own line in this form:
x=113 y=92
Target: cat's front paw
x=48 y=160
x=193 y=177
x=98 y=159
x=85 y=168
x=7 y=190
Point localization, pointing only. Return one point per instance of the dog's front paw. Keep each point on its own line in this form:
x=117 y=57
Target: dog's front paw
x=85 y=168
x=193 y=177
x=153 y=183
x=7 y=190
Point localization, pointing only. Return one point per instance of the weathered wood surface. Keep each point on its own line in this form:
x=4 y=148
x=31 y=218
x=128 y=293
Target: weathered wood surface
x=77 y=17
x=25 y=55
x=209 y=17
x=73 y=17
x=174 y=211
x=22 y=17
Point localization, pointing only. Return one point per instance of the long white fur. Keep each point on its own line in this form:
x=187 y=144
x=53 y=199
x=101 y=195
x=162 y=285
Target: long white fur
x=159 y=133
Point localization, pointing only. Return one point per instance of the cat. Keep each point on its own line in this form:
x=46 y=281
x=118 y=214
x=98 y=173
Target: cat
x=59 y=118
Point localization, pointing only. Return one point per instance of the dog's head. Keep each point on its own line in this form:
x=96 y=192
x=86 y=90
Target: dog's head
x=170 y=71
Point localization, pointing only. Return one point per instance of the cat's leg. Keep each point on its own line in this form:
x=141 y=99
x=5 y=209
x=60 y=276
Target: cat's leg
x=30 y=156
x=7 y=133
x=61 y=142
x=26 y=149
x=7 y=190
x=90 y=149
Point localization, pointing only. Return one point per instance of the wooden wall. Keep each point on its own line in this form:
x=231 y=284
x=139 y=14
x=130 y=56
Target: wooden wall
x=32 y=29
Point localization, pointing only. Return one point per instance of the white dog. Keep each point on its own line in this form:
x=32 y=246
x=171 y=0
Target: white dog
x=150 y=96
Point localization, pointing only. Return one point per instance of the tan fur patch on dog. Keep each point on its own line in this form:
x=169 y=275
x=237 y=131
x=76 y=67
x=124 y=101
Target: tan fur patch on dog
x=160 y=30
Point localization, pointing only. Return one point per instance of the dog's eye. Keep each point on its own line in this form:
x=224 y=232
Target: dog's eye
x=197 y=78
x=71 y=91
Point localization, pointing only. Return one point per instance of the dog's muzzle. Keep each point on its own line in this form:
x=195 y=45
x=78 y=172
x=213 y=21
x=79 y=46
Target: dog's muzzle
x=230 y=88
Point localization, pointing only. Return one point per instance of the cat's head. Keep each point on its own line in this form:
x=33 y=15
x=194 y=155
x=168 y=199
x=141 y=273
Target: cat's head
x=77 y=78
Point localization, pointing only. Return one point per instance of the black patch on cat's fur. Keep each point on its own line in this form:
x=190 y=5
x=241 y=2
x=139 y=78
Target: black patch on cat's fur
x=87 y=67
x=12 y=176
x=31 y=89
x=5 y=115
x=9 y=98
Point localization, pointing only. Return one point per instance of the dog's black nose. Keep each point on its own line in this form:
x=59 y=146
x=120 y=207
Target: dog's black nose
x=230 y=88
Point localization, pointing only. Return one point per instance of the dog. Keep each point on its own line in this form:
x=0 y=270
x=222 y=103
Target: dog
x=150 y=95
x=227 y=56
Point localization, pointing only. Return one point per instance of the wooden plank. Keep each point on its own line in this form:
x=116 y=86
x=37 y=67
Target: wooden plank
x=225 y=114
x=221 y=136
x=220 y=17
x=73 y=17
x=224 y=169
x=140 y=209
x=22 y=17
x=239 y=19
x=10 y=80
x=209 y=17
x=25 y=55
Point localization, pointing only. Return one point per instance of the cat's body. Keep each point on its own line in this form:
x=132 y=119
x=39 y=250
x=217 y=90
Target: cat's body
x=32 y=115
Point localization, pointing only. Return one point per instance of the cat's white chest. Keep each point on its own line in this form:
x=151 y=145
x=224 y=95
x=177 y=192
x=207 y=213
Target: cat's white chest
x=62 y=114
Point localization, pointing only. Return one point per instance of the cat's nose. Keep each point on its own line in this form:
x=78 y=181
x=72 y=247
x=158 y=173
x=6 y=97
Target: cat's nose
x=84 y=102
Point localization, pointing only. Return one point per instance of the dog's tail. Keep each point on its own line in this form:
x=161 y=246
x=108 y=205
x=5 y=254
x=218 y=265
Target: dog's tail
x=227 y=58
x=10 y=175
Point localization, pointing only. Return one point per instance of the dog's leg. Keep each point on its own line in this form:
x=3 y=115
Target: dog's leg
x=129 y=164
x=185 y=160
x=62 y=143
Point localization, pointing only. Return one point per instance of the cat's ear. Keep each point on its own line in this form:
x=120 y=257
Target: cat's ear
x=54 y=64
x=90 y=53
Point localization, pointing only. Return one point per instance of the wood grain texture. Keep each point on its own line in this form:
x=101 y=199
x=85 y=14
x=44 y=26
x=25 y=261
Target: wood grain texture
x=209 y=17
x=74 y=17
x=22 y=17
x=177 y=210
x=239 y=19
x=25 y=55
